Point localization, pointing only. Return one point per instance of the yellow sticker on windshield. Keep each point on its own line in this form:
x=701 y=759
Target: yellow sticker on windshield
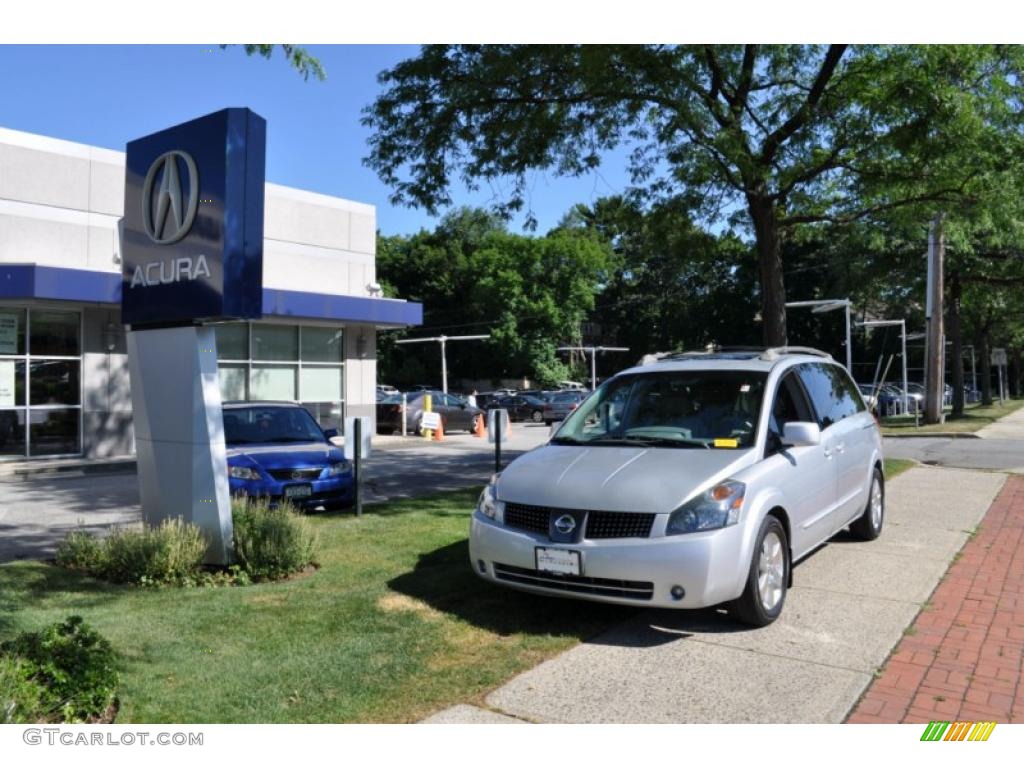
x=726 y=442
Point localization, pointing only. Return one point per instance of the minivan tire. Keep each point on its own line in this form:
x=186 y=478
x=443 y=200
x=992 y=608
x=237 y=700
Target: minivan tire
x=750 y=607
x=868 y=526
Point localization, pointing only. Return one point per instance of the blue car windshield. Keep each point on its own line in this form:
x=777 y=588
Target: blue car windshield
x=270 y=424
x=685 y=409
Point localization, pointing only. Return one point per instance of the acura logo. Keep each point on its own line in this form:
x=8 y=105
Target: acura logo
x=565 y=525
x=167 y=218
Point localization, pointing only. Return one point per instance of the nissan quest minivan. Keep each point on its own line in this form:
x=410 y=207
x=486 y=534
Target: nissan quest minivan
x=694 y=481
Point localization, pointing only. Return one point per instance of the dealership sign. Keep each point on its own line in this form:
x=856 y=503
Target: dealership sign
x=192 y=245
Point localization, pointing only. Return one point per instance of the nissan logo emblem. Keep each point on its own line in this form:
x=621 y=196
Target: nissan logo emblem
x=565 y=525
x=166 y=217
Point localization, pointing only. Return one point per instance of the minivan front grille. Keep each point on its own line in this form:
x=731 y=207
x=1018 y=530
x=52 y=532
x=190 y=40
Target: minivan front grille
x=296 y=474
x=629 y=590
x=600 y=525
x=619 y=525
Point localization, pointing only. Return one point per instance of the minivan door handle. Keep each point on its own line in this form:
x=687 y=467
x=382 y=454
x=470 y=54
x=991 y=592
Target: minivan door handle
x=828 y=453
x=840 y=447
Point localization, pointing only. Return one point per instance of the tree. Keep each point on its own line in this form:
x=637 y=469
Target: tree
x=779 y=137
x=304 y=63
x=474 y=277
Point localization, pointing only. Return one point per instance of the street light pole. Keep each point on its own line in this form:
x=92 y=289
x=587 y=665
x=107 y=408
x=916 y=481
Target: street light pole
x=827 y=305
x=443 y=340
x=593 y=358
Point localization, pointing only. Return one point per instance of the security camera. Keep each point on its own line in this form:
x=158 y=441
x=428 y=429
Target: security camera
x=373 y=288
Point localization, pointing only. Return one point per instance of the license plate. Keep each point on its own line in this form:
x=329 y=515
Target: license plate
x=297 y=491
x=563 y=561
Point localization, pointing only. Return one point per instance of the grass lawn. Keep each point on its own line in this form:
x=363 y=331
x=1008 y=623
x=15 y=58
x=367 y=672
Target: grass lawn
x=893 y=467
x=975 y=417
x=393 y=626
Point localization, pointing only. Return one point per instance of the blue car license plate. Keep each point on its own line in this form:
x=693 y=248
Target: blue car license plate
x=298 y=491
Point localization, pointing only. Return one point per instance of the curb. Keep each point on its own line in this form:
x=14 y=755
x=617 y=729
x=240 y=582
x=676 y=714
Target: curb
x=952 y=435
x=75 y=469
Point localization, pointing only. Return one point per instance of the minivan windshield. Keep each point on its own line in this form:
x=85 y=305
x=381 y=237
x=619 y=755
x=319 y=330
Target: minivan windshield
x=679 y=409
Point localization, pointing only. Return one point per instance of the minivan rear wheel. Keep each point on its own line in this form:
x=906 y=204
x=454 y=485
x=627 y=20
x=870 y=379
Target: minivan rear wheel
x=868 y=526
x=765 y=593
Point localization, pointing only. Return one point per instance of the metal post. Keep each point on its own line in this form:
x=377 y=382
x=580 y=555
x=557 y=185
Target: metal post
x=358 y=436
x=593 y=368
x=444 y=366
x=405 y=411
x=849 y=346
x=497 y=441
x=903 y=334
x=974 y=371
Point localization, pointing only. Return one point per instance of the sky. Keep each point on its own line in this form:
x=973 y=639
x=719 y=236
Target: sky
x=107 y=95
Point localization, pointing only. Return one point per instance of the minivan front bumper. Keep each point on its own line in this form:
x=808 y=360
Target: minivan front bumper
x=635 y=571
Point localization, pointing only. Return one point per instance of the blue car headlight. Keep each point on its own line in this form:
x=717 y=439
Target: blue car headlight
x=717 y=507
x=340 y=468
x=243 y=473
x=488 y=505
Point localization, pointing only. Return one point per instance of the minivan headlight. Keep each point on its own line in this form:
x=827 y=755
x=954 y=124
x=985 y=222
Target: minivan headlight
x=717 y=507
x=489 y=505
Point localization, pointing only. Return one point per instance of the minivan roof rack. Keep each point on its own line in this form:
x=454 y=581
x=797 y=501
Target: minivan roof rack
x=767 y=354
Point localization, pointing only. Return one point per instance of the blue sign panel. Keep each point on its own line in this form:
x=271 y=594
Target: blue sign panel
x=192 y=246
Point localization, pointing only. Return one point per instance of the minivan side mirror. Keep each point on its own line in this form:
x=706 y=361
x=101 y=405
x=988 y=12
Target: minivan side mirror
x=800 y=433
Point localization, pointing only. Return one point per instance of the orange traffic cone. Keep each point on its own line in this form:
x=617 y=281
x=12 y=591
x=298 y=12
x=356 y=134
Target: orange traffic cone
x=478 y=426
x=439 y=432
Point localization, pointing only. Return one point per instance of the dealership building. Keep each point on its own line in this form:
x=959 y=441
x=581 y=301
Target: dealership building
x=64 y=383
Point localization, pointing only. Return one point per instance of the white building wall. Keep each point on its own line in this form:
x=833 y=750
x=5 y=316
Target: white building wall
x=59 y=206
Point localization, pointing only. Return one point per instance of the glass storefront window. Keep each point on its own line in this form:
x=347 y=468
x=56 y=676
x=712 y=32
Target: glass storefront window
x=54 y=333
x=321 y=384
x=12 y=432
x=12 y=383
x=232 y=382
x=272 y=382
x=232 y=341
x=54 y=382
x=327 y=415
x=275 y=342
x=12 y=332
x=53 y=431
x=322 y=345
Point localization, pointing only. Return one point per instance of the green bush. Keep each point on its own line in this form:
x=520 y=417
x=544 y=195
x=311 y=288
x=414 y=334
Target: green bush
x=271 y=542
x=170 y=553
x=73 y=665
x=82 y=551
x=21 y=697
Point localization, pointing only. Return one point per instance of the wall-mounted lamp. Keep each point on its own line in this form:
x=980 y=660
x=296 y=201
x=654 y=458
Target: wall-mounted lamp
x=373 y=289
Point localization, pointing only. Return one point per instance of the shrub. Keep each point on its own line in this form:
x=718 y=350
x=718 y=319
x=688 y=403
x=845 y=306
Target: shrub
x=271 y=542
x=82 y=551
x=170 y=553
x=20 y=695
x=73 y=665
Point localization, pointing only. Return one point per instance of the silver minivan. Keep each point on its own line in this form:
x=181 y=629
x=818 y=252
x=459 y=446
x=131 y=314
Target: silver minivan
x=695 y=481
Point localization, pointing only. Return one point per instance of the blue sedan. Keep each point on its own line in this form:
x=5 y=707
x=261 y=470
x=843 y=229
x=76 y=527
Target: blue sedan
x=278 y=450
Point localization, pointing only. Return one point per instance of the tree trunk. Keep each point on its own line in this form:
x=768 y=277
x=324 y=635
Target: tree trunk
x=769 y=257
x=1015 y=359
x=986 y=368
x=956 y=337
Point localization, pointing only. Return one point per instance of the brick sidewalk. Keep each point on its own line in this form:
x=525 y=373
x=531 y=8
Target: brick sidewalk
x=961 y=659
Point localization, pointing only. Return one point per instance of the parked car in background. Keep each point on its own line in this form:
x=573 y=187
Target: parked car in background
x=691 y=482
x=560 y=405
x=278 y=450
x=520 y=407
x=456 y=413
x=571 y=385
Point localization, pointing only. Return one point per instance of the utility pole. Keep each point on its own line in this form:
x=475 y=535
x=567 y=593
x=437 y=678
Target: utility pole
x=933 y=313
x=593 y=358
x=443 y=340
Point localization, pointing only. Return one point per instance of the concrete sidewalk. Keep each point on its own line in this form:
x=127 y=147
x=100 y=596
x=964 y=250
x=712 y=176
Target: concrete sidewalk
x=962 y=659
x=849 y=606
x=1009 y=427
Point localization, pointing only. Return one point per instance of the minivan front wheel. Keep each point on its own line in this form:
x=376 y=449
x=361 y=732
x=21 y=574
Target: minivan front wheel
x=868 y=526
x=765 y=593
